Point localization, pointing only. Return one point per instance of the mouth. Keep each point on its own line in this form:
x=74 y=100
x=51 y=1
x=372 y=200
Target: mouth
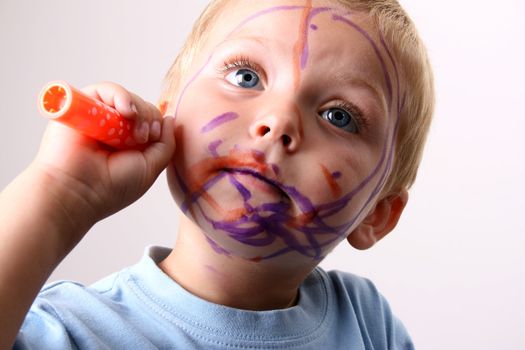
x=249 y=173
x=255 y=179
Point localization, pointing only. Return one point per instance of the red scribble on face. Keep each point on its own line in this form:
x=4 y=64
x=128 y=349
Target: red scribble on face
x=297 y=230
x=205 y=170
x=256 y=259
x=163 y=107
x=300 y=44
x=332 y=183
x=228 y=215
x=302 y=220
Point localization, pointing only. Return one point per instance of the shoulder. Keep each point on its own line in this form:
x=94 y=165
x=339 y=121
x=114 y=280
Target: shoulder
x=76 y=294
x=64 y=312
x=357 y=293
x=357 y=300
x=62 y=298
x=350 y=287
x=112 y=313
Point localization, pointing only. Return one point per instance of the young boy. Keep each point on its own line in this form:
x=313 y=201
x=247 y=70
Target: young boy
x=298 y=124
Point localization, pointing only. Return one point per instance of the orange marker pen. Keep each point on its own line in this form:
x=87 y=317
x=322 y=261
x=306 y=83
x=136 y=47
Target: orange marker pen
x=61 y=102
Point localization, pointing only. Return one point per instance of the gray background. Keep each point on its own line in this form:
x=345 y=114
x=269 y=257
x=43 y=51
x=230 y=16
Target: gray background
x=453 y=270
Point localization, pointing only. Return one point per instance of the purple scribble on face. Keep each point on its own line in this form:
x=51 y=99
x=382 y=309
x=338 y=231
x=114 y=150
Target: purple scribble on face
x=212 y=147
x=276 y=169
x=245 y=193
x=309 y=232
x=368 y=37
x=219 y=120
x=196 y=195
x=218 y=249
x=183 y=92
x=313 y=26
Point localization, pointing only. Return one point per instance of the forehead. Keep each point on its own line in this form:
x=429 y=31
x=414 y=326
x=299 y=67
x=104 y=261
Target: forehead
x=268 y=17
x=334 y=44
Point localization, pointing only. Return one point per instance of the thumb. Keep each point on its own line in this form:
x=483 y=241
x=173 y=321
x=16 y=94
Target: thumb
x=159 y=154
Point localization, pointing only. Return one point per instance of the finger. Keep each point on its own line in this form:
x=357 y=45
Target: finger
x=155 y=130
x=141 y=131
x=131 y=106
x=148 y=124
x=159 y=154
x=113 y=95
x=155 y=123
x=142 y=119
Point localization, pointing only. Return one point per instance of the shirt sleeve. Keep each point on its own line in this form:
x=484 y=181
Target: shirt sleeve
x=358 y=299
x=43 y=329
x=67 y=315
x=397 y=335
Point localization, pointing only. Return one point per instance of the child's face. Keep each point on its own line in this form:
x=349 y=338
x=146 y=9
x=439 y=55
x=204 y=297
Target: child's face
x=285 y=127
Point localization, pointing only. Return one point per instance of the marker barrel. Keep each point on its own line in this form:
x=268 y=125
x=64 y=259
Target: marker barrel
x=62 y=102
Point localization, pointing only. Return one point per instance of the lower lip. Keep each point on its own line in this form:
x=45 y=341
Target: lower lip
x=251 y=182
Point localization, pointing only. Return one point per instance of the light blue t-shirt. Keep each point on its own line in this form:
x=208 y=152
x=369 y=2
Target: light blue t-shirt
x=140 y=307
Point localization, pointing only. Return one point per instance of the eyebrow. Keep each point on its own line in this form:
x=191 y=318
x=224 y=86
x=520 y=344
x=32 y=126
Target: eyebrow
x=261 y=40
x=346 y=78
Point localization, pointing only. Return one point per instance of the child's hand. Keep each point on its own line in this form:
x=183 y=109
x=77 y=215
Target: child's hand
x=99 y=180
x=73 y=182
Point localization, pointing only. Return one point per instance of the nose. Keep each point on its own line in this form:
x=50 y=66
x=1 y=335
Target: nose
x=282 y=126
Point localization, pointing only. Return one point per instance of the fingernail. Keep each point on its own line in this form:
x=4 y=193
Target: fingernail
x=133 y=108
x=155 y=129
x=144 y=131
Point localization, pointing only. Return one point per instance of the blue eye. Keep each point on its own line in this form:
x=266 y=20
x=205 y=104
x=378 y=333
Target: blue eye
x=244 y=78
x=341 y=119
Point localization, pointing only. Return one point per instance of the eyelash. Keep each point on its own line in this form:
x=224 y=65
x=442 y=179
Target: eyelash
x=355 y=112
x=239 y=62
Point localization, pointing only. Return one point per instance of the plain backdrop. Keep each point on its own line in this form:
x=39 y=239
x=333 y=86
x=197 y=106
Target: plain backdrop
x=453 y=270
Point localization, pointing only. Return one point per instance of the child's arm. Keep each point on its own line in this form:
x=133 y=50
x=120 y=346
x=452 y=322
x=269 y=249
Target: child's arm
x=73 y=183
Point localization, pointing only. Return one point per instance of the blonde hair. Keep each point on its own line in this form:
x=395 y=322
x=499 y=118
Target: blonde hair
x=401 y=38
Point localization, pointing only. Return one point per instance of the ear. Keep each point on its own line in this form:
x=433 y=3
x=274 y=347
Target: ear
x=380 y=221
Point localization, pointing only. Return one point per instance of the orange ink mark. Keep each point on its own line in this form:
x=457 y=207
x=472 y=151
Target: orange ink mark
x=229 y=215
x=212 y=202
x=256 y=259
x=234 y=214
x=300 y=43
x=334 y=186
x=205 y=170
x=163 y=107
x=302 y=220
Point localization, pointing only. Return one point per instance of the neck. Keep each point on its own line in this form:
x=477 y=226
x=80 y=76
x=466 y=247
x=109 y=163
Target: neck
x=229 y=280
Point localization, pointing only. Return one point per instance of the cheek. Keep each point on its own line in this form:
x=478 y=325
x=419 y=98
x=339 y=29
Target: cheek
x=343 y=184
x=328 y=175
x=206 y=124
